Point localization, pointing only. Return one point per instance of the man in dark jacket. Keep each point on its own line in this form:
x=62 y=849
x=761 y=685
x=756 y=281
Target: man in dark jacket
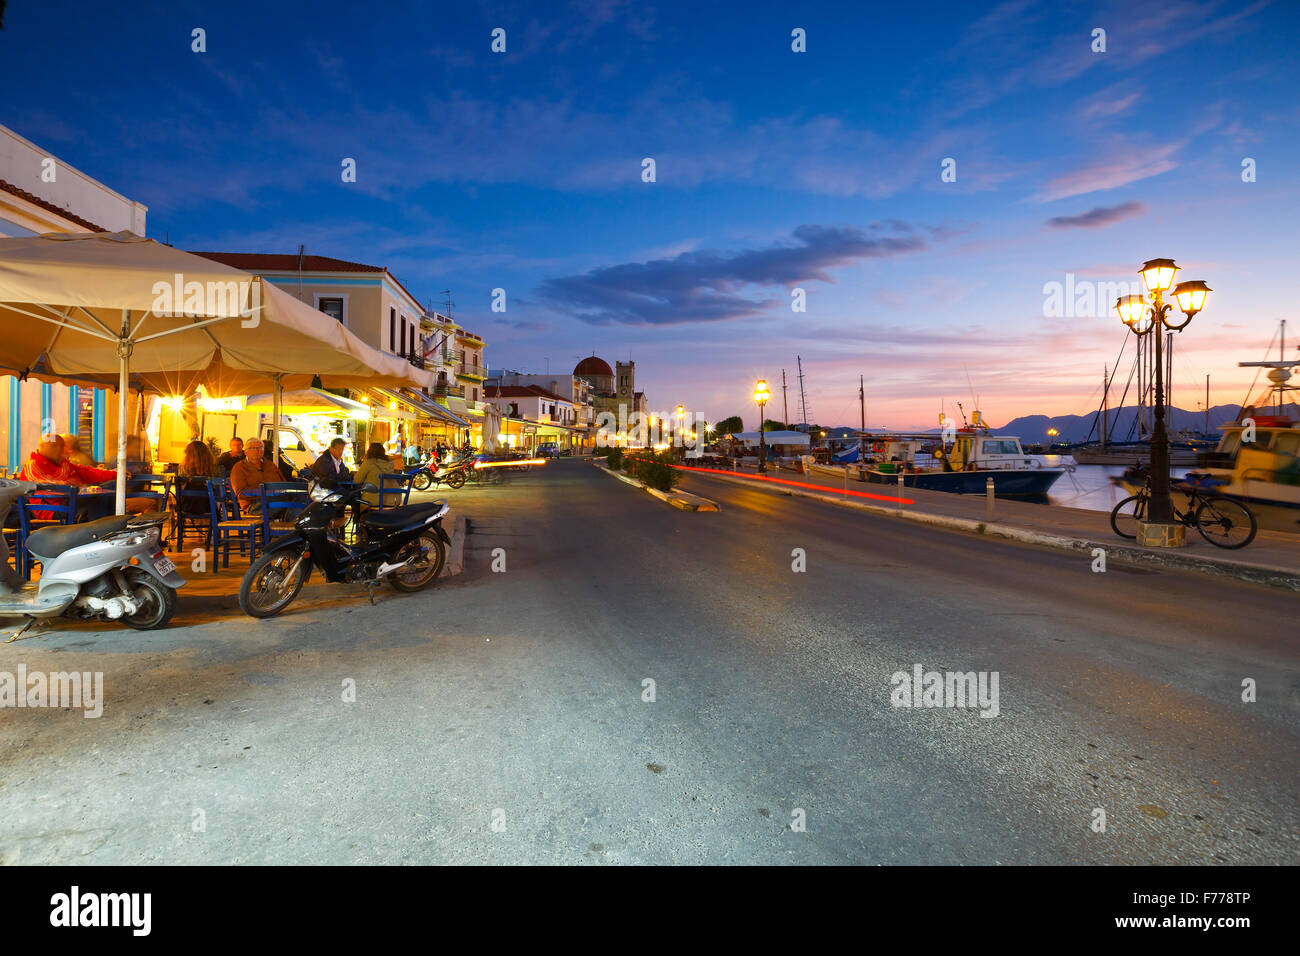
x=231 y=458
x=330 y=464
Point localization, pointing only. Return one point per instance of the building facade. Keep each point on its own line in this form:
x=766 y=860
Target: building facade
x=373 y=305
x=40 y=193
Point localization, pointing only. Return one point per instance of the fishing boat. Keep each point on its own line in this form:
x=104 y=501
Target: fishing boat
x=961 y=461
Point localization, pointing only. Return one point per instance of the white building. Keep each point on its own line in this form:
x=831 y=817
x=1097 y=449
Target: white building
x=40 y=193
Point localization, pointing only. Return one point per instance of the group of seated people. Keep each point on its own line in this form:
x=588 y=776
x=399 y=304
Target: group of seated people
x=60 y=460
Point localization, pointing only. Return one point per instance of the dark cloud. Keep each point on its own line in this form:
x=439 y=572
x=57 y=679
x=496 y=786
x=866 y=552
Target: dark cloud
x=1100 y=217
x=709 y=286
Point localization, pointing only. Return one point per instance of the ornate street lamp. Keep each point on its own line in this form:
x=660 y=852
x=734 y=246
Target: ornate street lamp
x=1143 y=318
x=761 y=395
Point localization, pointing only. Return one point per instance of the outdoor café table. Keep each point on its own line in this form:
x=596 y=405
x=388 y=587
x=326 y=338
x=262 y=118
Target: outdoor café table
x=95 y=501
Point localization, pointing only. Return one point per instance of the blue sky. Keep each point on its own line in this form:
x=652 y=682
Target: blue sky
x=775 y=170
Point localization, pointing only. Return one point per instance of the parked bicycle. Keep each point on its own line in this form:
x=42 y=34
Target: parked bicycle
x=1222 y=521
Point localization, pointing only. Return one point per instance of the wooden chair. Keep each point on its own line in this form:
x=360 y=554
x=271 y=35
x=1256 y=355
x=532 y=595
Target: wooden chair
x=229 y=526
x=49 y=505
x=188 y=497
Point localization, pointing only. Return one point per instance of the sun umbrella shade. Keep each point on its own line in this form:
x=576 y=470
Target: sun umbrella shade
x=115 y=306
x=306 y=401
x=192 y=321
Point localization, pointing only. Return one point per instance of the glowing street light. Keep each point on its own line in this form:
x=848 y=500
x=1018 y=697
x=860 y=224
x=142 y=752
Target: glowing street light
x=1142 y=318
x=761 y=396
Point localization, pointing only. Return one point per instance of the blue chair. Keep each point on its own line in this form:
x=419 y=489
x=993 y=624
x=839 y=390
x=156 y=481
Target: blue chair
x=229 y=526
x=155 y=487
x=193 y=510
x=281 y=502
x=48 y=506
x=394 y=485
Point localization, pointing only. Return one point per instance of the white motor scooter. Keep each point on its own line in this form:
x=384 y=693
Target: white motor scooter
x=112 y=569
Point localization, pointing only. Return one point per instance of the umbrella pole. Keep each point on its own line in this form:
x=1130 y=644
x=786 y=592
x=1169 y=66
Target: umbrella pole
x=124 y=353
x=275 y=415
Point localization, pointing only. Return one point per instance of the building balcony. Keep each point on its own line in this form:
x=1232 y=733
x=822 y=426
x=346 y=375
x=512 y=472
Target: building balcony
x=472 y=371
x=471 y=337
x=416 y=360
x=453 y=391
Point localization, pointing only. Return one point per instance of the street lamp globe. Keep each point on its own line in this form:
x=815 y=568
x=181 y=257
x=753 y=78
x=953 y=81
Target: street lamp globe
x=761 y=392
x=1191 y=296
x=1132 y=311
x=1158 y=274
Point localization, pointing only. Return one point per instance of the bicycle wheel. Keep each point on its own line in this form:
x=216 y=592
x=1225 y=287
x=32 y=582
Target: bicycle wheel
x=1226 y=523
x=1124 y=517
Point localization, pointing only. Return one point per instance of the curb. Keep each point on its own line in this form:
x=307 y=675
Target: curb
x=1131 y=555
x=681 y=500
x=456 y=554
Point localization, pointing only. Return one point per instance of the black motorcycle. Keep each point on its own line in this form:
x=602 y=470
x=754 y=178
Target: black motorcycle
x=406 y=546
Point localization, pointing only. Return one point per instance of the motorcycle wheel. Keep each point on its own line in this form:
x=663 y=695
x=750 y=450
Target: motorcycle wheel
x=421 y=481
x=455 y=479
x=268 y=574
x=426 y=570
x=160 y=601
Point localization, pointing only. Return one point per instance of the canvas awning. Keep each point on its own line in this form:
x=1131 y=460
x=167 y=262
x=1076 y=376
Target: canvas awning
x=124 y=311
x=425 y=406
x=308 y=401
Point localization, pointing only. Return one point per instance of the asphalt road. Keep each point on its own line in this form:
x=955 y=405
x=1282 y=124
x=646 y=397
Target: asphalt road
x=499 y=717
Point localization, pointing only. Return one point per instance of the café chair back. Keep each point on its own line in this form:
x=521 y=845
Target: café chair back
x=229 y=526
x=47 y=506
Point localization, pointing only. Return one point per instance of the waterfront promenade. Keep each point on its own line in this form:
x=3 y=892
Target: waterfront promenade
x=1273 y=557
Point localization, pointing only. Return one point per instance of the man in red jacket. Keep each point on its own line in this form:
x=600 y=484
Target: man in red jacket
x=48 y=465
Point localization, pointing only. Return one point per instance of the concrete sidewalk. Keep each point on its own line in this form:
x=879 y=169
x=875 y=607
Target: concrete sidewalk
x=1272 y=558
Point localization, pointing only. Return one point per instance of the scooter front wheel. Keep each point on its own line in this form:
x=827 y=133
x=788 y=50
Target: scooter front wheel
x=455 y=479
x=158 y=601
x=267 y=589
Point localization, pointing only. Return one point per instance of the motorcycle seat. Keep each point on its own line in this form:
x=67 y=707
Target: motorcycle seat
x=397 y=517
x=52 y=541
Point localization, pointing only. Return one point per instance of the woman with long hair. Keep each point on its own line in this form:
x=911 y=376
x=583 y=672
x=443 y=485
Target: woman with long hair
x=375 y=464
x=197 y=466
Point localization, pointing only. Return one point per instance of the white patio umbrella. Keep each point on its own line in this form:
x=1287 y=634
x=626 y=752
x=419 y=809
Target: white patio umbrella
x=99 y=306
x=491 y=428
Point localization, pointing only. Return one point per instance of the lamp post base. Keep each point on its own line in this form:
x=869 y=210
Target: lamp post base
x=1161 y=535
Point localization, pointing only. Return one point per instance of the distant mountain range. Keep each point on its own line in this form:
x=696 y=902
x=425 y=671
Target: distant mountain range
x=1077 y=428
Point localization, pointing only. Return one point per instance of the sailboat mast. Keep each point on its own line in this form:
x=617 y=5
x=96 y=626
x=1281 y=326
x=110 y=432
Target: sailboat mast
x=1207 y=405
x=1105 y=406
x=1281 y=354
x=803 y=397
x=785 y=406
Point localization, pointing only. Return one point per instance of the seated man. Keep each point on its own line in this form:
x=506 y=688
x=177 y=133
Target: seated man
x=48 y=465
x=229 y=459
x=249 y=474
x=330 y=464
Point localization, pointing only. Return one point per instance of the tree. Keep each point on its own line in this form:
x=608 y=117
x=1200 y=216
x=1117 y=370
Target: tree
x=729 y=426
x=771 y=426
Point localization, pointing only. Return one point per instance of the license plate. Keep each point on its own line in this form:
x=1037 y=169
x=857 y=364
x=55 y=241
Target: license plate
x=164 y=566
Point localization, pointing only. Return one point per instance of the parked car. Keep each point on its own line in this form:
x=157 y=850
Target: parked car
x=548 y=449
